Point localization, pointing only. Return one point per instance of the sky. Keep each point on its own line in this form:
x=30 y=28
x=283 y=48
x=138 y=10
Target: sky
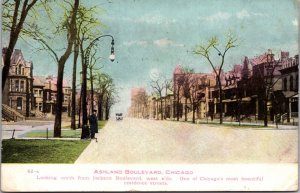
x=156 y=35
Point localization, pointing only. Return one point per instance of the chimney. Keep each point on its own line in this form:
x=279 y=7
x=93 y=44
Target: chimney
x=4 y=50
x=284 y=55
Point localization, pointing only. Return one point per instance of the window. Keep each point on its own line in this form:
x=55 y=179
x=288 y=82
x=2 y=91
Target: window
x=19 y=69
x=40 y=93
x=23 y=71
x=10 y=85
x=291 y=83
x=22 y=85
x=19 y=103
x=17 y=88
x=284 y=84
x=297 y=84
x=40 y=107
x=35 y=93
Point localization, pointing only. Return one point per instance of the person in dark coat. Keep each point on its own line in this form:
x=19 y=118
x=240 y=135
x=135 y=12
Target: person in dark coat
x=93 y=124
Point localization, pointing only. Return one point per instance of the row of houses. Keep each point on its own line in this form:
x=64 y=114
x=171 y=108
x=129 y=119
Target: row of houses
x=246 y=89
x=28 y=94
x=32 y=95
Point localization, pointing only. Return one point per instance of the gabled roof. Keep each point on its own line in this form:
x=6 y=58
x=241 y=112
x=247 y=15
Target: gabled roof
x=17 y=58
x=178 y=69
x=259 y=59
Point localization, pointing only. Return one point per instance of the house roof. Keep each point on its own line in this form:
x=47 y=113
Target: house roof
x=48 y=82
x=259 y=59
x=178 y=69
x=39 y=81
x=18 y=58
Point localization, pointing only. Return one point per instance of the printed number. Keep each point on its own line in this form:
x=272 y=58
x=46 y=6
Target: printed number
x=31 y=171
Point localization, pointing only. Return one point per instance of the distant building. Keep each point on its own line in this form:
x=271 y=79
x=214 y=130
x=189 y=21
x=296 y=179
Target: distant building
x=139 y=103
x=45 y=90
x=290 y=85
x=244 y=89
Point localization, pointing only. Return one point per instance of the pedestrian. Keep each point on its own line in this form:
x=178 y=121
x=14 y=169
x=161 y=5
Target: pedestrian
x=93 y=124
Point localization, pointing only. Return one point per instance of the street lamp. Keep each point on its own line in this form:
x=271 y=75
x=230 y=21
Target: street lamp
x=112 y=51
x=85 y=131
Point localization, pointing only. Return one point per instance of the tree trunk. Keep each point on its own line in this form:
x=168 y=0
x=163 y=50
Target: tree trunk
x=85 y=131
x=107 y=109
x=177 y=108
x=266 y=109
x=221 y=99
x=100 y=108
x=79 y=110
x=161 y=109
x=7 y=59
x=73 y=116
x=59 y=100
x=177 y=104
x=165 y=114
x=92 y=89
x=185 y=110
x=194 y=109
x=15 y=30
x=157 y=111
x=60 y=73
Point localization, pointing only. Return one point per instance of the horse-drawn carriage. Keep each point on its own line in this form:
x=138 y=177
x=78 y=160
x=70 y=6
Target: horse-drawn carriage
x=119 y=116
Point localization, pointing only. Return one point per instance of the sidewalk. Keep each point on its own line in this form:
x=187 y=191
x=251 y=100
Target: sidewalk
x=243 y=123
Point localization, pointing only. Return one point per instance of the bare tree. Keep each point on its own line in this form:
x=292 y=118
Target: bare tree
x=111 y=98
x=141 y=100
x=264 y=78
x=178 y=84
x=168 y=87
x=186 y=88
x=106 y=94
x=158 y=86
x=197 y=86
x=206 y=52
x=92 y=66
x=88 y=31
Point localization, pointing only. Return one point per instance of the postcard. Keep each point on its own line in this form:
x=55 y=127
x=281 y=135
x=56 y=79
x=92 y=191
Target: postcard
x=160 y=95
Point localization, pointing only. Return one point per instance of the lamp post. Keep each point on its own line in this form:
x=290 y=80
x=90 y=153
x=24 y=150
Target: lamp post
x=85 y=131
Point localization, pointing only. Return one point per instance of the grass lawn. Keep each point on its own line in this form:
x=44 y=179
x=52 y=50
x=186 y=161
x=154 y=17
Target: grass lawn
x=101 y=124
x=41 y=151
x=64 y=133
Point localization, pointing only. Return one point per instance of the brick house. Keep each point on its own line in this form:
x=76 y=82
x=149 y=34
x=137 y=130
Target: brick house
x=44 y=89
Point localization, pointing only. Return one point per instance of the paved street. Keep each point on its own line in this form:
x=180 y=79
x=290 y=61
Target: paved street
x=151 y=141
